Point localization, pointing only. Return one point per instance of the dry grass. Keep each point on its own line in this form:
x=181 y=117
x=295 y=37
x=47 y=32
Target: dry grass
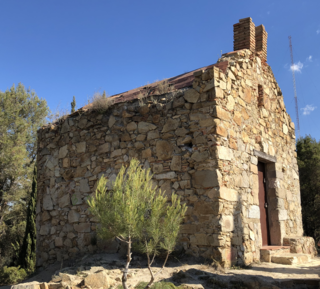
x=142 y=99
x=164 y=87
x=217 y=266
x=145 y=95
x=100 y=102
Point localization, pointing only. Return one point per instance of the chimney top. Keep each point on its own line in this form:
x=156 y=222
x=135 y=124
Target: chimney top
x=247 y=36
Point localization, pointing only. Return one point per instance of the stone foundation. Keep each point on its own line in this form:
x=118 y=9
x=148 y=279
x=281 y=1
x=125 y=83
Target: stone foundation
x=305 y=245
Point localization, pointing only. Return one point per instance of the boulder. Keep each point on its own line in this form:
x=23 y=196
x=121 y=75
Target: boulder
x=69 y=280
x=99 y=280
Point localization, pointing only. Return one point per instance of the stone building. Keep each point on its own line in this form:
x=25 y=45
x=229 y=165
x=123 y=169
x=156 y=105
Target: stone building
x=219 y=137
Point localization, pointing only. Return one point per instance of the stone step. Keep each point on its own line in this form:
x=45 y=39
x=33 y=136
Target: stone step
x=291 y=259
x=266 y=252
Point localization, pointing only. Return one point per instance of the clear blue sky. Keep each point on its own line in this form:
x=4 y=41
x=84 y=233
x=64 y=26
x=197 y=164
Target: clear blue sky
x=76 y=47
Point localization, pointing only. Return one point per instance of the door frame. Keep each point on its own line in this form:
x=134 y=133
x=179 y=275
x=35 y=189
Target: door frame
x=264 y=202
x=276 y=228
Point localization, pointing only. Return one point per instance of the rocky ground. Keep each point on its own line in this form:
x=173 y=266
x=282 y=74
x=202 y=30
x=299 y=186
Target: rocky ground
x=104 y=270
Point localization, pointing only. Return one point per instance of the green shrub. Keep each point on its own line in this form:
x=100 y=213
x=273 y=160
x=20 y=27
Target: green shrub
x=12 y=275
x=136 y=210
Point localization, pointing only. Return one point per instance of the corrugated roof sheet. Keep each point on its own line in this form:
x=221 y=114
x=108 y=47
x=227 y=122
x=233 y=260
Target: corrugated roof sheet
x=177 y=82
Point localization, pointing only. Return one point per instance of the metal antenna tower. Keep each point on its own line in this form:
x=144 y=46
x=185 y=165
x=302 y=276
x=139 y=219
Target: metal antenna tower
x=294 y=87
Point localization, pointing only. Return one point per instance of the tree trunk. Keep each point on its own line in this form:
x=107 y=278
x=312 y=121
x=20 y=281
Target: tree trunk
x=152 y=278
x=151 y=273
x=126 y=269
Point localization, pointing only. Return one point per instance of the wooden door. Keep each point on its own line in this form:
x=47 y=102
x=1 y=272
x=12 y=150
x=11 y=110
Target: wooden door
x=263 y=206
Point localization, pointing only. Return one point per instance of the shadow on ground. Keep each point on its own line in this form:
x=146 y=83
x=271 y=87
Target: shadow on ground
x=196 y=273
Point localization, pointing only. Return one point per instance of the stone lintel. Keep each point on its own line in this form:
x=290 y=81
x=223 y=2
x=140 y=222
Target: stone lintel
x=265 y=158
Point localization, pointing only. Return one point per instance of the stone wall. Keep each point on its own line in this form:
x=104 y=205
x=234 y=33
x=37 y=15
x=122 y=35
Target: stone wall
x=201 y=142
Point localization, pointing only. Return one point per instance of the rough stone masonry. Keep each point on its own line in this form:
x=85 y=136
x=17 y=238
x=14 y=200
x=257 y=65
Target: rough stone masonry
x=202 y=134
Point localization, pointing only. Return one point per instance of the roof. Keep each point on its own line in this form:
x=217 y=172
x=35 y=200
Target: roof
x=177 y=82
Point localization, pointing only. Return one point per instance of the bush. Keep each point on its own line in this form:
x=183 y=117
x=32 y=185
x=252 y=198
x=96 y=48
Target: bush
x=12 y=275
x=135 y=209
x=100 y=102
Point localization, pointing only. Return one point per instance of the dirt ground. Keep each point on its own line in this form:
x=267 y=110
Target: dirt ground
x=190 y=271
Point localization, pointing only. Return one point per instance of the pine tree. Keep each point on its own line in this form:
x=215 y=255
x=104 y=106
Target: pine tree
x=135 y=209
x=27 y=258
x=308 y=155
x=73 y=104
x=22 y=112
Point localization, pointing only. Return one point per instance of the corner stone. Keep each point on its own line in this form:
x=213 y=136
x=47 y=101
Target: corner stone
x=228 y=194
x=227 y=223
x=224 y=153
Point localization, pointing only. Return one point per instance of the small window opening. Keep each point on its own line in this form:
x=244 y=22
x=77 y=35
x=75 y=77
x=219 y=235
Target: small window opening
x=186 y=147
x=260 y=95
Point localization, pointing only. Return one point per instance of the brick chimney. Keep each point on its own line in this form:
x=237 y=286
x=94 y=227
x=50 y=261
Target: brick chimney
x=244 y=35
x=247 y=36
x=261 y=42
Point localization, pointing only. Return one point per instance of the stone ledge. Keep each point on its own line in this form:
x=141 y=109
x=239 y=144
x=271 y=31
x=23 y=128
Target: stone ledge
x=264 y=157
